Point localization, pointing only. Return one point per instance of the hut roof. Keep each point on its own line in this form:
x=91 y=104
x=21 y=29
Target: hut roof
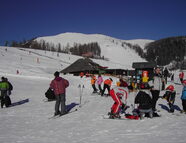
x=81 y=65
x=143 y=65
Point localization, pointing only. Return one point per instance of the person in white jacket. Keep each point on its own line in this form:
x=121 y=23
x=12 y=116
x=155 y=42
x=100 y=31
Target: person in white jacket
x=156 y=84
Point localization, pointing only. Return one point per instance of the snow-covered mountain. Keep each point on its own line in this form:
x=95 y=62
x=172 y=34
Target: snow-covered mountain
x=114 y=49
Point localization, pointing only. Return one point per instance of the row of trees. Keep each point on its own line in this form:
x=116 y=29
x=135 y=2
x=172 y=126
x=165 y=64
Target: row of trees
x=166 y=50
x=93 y=48
x=136 y=48
x=76 y=49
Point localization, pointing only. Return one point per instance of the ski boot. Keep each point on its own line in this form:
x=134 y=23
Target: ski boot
x=114 y=115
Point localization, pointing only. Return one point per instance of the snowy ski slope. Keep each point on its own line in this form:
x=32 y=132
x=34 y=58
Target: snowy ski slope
x=29 y=122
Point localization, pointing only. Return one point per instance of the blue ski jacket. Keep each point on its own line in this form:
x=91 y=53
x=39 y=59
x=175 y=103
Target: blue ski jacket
x=183 y=97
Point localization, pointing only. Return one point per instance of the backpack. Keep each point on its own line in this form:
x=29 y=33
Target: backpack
x=50 y=94
x=7 y=101
x=10 y=86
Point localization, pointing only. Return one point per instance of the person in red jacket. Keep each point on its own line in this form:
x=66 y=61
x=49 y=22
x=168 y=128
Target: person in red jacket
x=59 y=85
x=181 y=76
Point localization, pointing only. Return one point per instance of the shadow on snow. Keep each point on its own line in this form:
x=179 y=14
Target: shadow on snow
x=71 y=106
x=176 y=107
x=19 y=102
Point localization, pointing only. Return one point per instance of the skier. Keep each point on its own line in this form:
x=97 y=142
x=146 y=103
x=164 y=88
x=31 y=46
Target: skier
x=107 y=85
x=165 y=74
x=118 y=94
x=59 y=84
x=183 y=96
x=170 y=97
x=123 y=83
x=99 y=82
x=81 y=74
x=93 y=81
x=181 y=76
x=4 y=88
x=156 y=83
x=144 y=101
x=172 y=77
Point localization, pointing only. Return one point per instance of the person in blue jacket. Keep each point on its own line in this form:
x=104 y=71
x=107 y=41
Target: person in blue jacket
x=183 y=97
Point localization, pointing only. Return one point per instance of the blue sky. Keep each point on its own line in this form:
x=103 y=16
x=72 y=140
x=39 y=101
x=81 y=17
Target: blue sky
x=123 y=19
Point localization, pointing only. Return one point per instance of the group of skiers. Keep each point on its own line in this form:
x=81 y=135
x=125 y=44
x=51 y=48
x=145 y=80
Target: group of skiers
x=146 y=97
x=99 y=80
x=5 y=89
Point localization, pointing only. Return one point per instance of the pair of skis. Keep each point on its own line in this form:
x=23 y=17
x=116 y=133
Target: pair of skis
x=68 y=112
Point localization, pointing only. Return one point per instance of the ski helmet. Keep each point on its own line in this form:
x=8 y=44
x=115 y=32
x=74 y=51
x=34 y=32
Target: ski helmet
x=170 y=87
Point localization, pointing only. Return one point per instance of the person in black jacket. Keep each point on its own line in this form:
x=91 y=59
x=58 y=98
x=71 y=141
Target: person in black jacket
x=166 y=74
x=144 y=101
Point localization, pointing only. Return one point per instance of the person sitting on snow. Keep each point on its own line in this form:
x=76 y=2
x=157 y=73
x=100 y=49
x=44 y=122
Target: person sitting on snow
x=144 y=101
x=170 y=97
x=119 y=95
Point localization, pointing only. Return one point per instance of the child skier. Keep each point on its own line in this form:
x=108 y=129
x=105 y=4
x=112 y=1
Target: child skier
x=107 y=85
x=117 y=94
x=93 y=81
x=183 y=97
x=99 y=82
x=170 y=97
x=144 y=101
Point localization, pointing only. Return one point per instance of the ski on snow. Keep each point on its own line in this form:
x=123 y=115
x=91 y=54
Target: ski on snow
x=122 y=118
x=58 y=116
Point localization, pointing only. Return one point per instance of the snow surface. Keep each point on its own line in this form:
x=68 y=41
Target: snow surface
x=111 y=48
x=29 y=122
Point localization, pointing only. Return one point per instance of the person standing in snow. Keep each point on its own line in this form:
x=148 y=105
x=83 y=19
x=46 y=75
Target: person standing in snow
x=107 y=85
x=165 y=74
x=156 y=83
x=93 y=82
x=183 y=96
x=3 y=88
x=59 y=85
x=181 y=76
x=99 y=82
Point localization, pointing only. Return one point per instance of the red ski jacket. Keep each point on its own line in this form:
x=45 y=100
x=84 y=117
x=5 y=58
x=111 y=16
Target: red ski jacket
x=59 y=85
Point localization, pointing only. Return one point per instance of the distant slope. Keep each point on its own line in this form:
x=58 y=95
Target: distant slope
x=114 y=49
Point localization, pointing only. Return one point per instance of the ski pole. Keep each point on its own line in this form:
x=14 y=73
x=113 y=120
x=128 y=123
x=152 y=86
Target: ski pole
x=79 y=95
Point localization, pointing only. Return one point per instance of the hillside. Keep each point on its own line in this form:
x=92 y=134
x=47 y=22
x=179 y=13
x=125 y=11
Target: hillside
x=115 y=50
x=167 y=50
